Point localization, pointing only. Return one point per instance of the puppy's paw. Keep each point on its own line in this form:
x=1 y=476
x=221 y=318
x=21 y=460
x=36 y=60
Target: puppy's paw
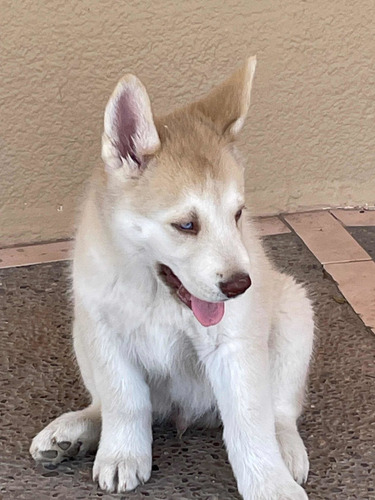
x=72 y=434
x=117 y=473
x=294 y=453
x=291 y=492
x=278 y=490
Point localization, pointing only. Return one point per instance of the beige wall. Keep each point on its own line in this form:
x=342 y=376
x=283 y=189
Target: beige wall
x=310 y=137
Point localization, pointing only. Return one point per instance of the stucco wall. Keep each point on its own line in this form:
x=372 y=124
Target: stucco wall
x=310 y=137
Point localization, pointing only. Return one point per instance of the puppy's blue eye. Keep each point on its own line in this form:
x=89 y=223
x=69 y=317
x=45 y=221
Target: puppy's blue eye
x=189 y=226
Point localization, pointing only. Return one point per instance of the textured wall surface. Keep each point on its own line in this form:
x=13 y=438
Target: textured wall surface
x=310 y=137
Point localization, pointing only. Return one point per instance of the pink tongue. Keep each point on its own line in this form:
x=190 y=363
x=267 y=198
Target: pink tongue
x=207 y=313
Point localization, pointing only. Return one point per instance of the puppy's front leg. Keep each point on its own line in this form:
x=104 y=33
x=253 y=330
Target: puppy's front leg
x=124 y=457
x=239 y=374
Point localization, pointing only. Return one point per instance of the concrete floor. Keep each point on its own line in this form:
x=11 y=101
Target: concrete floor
x=39 y=381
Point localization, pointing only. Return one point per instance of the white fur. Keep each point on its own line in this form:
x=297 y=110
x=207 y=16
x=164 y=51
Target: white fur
x=143 y=355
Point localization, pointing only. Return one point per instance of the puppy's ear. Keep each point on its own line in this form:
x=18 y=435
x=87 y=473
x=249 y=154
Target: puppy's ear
x=227 y=105
x=129 y=134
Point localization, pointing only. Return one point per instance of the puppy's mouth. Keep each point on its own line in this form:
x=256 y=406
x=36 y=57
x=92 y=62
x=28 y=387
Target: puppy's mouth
x=207 y=313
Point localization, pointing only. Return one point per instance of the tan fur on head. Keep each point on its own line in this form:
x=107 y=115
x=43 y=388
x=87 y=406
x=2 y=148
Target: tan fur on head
x=129 y=129
x=227 y=105
x=188 y=147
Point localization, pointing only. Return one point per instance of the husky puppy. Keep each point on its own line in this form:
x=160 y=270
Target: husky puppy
x=178 y=312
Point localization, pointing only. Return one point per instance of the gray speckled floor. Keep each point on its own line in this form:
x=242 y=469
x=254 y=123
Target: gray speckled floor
x=39 y=382
x=365 y=235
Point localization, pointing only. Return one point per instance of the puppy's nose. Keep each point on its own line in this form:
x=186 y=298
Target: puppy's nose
x=238 y=284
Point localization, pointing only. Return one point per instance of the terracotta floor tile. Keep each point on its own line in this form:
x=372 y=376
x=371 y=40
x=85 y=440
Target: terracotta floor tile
x=326 y=237
x=355 y=217
x=35 y=254
x=356 y=281
x=267 y=226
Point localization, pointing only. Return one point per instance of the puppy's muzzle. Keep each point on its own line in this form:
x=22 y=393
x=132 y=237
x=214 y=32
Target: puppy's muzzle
x=237 y=285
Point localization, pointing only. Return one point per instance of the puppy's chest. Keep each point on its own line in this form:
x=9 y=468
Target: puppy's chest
x=153 y=327
x=161 y=351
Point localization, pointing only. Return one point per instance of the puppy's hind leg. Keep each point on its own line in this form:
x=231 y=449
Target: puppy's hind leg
x=77 y=432
x=291 y=345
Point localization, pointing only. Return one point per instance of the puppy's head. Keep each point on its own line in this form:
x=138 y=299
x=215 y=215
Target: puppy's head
x=177 y=189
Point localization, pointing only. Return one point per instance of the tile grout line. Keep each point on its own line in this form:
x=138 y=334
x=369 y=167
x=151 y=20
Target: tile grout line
x=365 y=259
x=36 y=263
x=16 y=246
x=338 y=220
